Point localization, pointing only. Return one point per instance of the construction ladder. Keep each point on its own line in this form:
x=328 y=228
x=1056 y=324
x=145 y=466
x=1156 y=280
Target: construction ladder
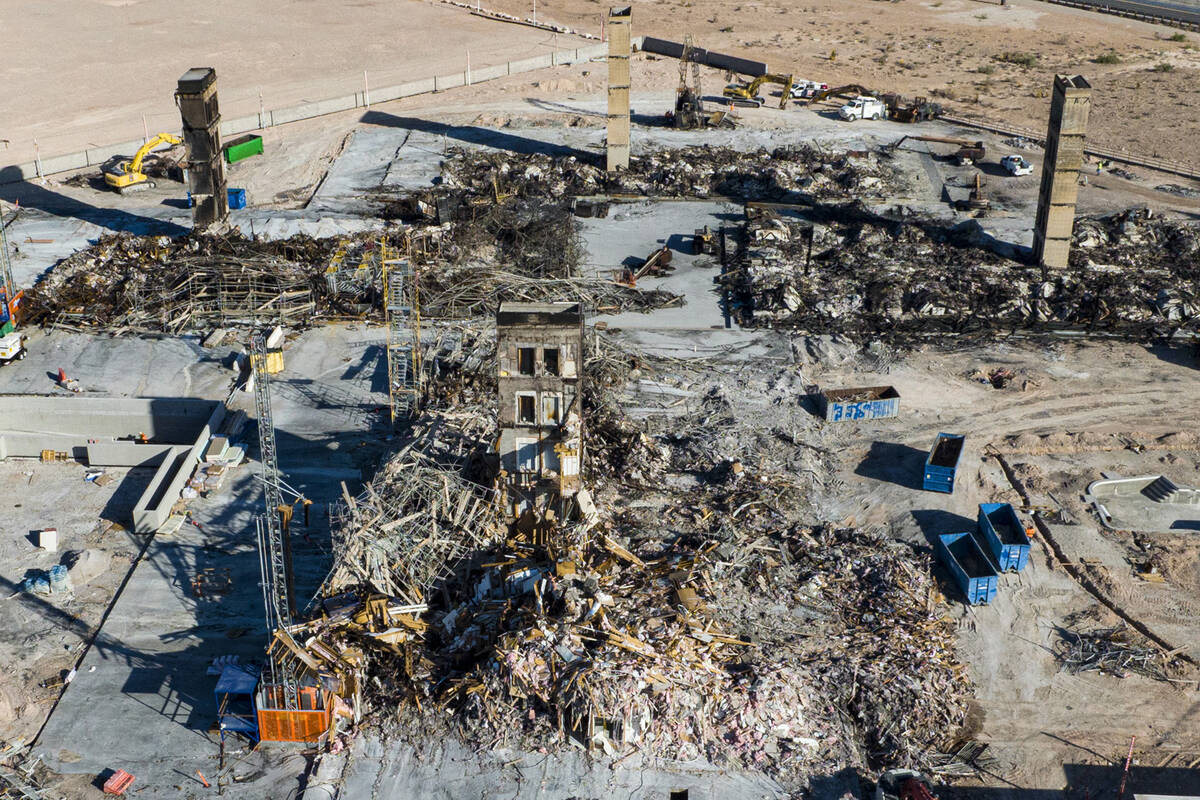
x=401 y=306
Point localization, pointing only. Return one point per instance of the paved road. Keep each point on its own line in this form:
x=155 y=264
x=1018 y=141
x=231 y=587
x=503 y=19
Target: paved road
x=1180 y=10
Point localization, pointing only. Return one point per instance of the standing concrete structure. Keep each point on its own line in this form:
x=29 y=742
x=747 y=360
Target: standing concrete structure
x=196 y=97
x=539 y=357
x=1069 y=108
x=618 y=87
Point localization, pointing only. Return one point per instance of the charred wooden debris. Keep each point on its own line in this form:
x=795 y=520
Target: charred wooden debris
x=1118 y=651
x=852 y=272
x=718 y=625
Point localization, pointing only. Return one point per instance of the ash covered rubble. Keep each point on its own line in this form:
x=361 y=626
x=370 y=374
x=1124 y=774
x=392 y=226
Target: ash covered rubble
x=783 y=174
x=1131 y=274
x=707 y=620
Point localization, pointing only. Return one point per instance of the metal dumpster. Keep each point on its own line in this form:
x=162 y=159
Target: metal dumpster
x=868 y=402
x=942 y=463
x=969 y=565
x=1004 y=535
x=244 y=147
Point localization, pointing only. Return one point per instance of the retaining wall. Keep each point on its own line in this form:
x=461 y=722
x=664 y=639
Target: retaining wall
x=97 y=430
x=154 y=506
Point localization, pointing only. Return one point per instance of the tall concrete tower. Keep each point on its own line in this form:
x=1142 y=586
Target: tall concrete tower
x=618 y=87
x=1069 y=108
x=197 y=100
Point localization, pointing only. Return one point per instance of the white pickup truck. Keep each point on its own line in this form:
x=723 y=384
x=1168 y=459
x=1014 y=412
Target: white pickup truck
x=863 y=107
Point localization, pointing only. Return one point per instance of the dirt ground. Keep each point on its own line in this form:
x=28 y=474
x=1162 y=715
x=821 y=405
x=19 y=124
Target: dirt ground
x=978 y=58
x=1059 y=435
x=117 y=61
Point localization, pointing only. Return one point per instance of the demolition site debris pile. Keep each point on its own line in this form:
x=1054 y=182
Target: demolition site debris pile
x=862 y=275
x=624 y=636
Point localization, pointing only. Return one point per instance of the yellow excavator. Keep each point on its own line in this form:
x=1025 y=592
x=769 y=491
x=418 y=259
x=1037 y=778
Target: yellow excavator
x=127 y=176
x=747 y=94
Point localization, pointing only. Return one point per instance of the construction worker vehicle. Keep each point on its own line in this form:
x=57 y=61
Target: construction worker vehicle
x=1016 y=165
x=901 y=109
x=802 y=90
x=968 y=152
x=12 y=348
x=863 y=107
x=127 y=176
x=747 y=94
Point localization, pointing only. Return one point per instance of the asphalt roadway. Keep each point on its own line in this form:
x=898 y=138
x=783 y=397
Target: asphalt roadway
x=1178 y=11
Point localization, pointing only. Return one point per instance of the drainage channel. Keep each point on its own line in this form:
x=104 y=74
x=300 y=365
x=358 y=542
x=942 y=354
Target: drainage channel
x=1081 y=578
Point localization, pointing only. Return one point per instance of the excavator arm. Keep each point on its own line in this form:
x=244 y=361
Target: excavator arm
x=850 y=89
x=140 y=155
x=128 y=175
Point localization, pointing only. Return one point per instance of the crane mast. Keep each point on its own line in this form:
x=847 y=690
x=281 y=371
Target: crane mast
x=275 y=551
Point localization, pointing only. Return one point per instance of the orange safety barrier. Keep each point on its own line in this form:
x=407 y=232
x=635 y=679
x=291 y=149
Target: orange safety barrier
x=118 y=782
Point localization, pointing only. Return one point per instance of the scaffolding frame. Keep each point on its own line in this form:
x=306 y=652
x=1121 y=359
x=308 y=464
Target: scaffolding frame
x=402 y=314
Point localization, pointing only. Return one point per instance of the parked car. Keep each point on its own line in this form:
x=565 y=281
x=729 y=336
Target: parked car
x=1016 y=165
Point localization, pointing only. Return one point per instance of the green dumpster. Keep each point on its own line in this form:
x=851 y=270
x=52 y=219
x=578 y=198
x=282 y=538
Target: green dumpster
x=244 y=147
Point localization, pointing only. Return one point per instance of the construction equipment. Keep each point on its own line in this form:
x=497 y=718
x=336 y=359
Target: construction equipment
x=968 y=151
x=689 y=105
x=704 y=242
x=976 y=201
x=10 y=298
x=901 y=109
x=850 y=90
x=275 y=551
x=127 y=176
x=12 y=348
x=657 y=263
x=747 y=94
x=863 y=107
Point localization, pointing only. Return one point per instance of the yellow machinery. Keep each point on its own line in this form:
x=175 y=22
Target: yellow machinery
x=849 y=90
x=127 y=175
x=748 y=93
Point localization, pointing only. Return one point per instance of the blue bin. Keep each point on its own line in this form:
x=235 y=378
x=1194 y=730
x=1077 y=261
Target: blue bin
x=1004 y=536
x=942 y=463
x=970 y=566
x=237 y=198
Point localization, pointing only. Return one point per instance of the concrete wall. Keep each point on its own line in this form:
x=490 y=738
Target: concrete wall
x=93 y=429
x=154 y=506
x=167 y=419
x=272 y=117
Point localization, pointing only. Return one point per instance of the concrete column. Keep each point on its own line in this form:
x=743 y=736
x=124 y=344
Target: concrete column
x=197 y=100
x=618 y=88
x=1069 y=108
